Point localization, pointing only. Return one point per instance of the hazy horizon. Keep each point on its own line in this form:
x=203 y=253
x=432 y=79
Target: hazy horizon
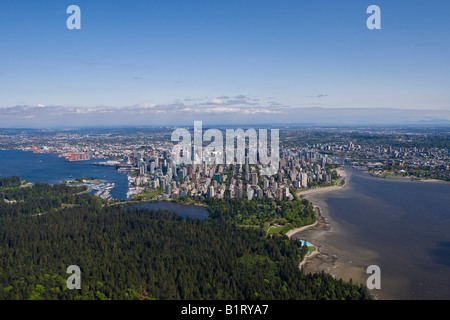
x=180 y=115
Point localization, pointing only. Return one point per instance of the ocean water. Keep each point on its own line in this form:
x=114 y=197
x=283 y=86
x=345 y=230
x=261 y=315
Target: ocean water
x=49 y=168
x=401 y=226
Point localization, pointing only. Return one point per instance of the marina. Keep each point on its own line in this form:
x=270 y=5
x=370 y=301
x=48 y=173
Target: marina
x=103 y=190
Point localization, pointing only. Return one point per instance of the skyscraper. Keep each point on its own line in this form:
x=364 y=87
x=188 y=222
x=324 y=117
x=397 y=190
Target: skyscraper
x=259 y=193
x=247 y=170
x=168 y=189
x=304 y=179
x=250 y=193
x=254 y=179
x=152 y=168
x=142 y=169
x=239 y=193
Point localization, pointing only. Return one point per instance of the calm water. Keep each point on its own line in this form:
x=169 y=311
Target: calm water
x=404 y=225
x=180 y=209
x=48 y=168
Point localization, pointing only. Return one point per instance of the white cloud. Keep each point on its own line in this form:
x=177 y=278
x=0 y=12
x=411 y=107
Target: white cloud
x=220 y=110
x=262 y=111
x=147 y=106
x=215 y=101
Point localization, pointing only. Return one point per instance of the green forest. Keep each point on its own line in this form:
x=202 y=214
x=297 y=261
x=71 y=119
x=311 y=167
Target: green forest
x=262 y=212
x=142 y=254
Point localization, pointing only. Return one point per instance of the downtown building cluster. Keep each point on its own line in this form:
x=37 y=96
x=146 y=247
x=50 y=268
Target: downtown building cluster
x=298 y=169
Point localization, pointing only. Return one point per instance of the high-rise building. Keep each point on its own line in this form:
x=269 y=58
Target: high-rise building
x=259 y=193
x=239 y=193
x=280 y=176
x=155 y=184
x=250 y=193
x=266 y=184
x=274 y=187
x=158 y=173
x=162 y=182
x=254 y=179
x=142 y=169
x=293 y=175
x=180 y=174
x=247 y=170
x=304 y=179
x=211 y=192
x=280 y=193
x=317 y=168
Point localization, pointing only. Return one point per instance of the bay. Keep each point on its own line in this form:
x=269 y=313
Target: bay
x=49 y=168
x=400 y=225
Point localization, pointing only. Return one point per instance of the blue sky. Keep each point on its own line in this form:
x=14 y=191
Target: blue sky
x=246 y=54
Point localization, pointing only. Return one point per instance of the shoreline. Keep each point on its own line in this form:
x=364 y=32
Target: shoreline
x=340 y=262
x=340 y=253
x=326 y=258
x=407 y=179
x=341 y=184
x=292 y=232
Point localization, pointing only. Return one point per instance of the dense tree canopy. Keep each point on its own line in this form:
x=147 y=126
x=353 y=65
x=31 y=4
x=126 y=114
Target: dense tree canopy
x=142 y=254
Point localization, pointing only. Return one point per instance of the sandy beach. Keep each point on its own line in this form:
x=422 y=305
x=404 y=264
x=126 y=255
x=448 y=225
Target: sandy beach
x=324 y=234
x=292 y=232
x=433 y=181
x=408 y=179
x=341 y=172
